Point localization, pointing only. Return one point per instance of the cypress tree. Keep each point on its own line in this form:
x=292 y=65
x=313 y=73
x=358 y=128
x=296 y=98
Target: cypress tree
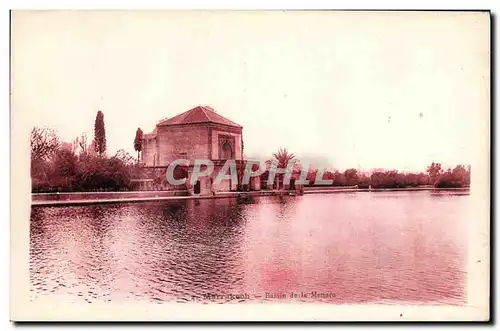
x=100 y=134
x=138 y=142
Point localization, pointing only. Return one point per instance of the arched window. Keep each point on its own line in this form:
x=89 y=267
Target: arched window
x=227 y=151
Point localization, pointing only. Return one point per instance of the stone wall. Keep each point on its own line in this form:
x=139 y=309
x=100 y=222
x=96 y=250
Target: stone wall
x=148 y=152
x=69 y=196
x=182 y=142
x=154 y=179
x=191 y=142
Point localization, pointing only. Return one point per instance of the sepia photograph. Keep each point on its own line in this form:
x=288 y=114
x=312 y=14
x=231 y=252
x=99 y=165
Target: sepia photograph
x=195 y=165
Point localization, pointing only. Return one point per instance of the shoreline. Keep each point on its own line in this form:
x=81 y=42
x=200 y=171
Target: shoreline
x=54 y=200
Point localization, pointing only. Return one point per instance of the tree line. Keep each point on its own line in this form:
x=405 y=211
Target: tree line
x=79 y=166
x=434 y=175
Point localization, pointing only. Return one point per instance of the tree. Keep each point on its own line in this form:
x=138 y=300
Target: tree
x=44 y=143
x=124 y=157
x=458 y=177
x=75 y=145
x=64 y=168
x=311 y=175
x=92 y=150
x=434 y=171
x=100 y=134
x=138 y=142
x=364 y=181
x=351 y=177
x=82 y=143
x=283 y=157
x=462 y=175
x=337 y=177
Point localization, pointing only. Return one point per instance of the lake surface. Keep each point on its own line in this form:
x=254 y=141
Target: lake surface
x=360 y=247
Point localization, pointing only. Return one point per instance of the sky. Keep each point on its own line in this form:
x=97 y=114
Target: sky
x=394 y=90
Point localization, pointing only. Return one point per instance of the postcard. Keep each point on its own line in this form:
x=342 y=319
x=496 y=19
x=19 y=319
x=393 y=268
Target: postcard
x=250 y=165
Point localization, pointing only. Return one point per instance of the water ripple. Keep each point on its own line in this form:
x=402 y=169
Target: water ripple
x=352 y=248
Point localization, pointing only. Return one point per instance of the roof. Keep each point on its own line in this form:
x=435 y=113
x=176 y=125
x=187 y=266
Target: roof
x=151 y=135
x=199 y=114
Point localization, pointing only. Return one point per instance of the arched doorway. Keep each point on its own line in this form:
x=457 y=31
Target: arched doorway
x=227 y=151
x=197 y=187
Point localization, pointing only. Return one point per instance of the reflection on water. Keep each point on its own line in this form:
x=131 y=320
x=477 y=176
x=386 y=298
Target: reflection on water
x=348 y=248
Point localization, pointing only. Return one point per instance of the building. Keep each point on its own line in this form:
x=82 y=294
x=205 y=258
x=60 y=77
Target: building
x=199 y=133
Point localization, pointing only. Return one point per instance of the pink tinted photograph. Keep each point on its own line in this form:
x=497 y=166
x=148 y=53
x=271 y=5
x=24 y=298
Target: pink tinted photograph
x=252 y=158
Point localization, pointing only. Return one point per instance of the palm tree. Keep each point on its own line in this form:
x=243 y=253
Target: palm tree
x=283 y=157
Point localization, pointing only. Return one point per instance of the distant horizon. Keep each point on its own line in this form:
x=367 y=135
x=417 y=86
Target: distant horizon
x=312 y=164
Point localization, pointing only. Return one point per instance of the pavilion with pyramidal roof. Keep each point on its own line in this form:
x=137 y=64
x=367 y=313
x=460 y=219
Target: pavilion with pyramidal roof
x=199 y=133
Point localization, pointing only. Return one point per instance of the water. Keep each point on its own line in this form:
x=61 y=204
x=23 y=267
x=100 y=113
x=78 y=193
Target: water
x=387 y=247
